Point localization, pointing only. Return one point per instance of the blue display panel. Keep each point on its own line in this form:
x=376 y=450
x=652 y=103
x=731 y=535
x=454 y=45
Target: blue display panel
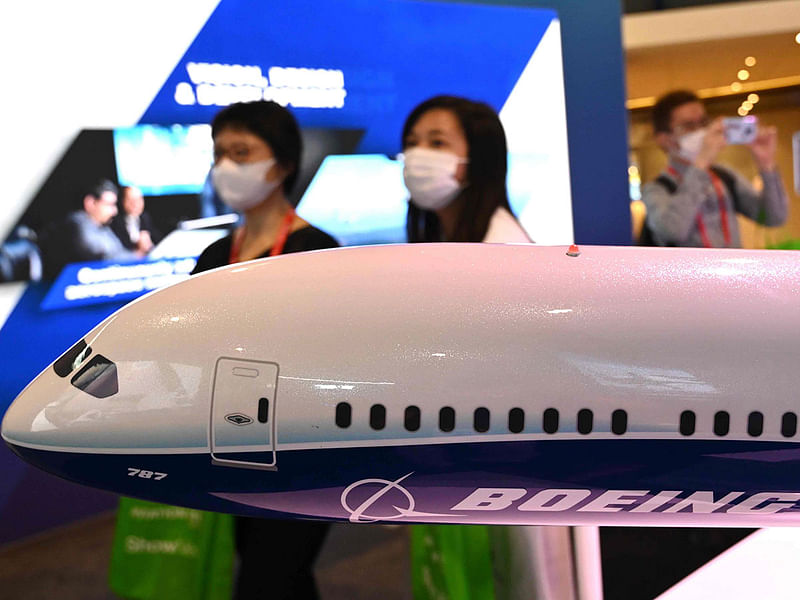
x=351 y=95
x=364 y=65
x=357 y=64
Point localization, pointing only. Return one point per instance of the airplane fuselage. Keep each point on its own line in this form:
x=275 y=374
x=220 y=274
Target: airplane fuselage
x=443 y=383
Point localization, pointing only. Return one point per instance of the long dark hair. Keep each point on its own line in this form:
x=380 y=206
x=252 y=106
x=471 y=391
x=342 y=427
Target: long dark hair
x=485 y=190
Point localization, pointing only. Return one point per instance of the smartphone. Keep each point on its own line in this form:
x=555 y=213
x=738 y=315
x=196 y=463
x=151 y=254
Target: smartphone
x=740 y=130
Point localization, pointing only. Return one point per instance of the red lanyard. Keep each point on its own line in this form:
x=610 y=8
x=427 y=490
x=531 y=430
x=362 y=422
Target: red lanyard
x=277 y=247
x=723 y=210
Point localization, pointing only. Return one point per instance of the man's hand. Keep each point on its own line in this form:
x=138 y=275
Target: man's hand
x=764 y=148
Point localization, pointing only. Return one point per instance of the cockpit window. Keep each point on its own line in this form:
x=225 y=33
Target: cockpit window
x=98 y=378
x=71 y=359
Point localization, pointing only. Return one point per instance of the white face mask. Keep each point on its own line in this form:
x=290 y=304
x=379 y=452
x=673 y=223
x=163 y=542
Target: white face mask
x=690 y=144
x=243 y=186
x=429 y=176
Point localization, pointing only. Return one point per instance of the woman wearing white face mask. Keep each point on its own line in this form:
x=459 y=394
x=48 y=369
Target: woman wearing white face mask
x=455 y=170
x=257 y=148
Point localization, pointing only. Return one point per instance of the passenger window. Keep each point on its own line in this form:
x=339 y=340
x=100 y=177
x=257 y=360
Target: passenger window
x=755 y=424
x=344 y=415
x=687 y=422
x=619 y=422
x=550 y=420
x=412 y=418
x=722 y=423
x=377 y=416
x=481 y=420
x=516 y=420
x=789 y=424
x=447 y=419
x=585 y=421
x=97 y=378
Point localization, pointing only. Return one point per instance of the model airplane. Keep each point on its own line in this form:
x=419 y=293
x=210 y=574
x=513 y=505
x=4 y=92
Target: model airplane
x=450 y=383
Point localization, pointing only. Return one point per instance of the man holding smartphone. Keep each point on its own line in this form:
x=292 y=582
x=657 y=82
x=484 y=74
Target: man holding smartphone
x=694 y=201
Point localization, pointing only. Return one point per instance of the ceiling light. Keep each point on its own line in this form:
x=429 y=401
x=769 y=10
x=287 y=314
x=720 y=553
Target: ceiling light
x=742 y=111
x=753 y=98
x=750 y=61
x=736 y=86
x=743 y=74
x=747 y=105
x=797 y=38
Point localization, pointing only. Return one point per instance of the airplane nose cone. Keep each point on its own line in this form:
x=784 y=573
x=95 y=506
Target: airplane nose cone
x=60 y=421
x=100 y=398
x=59 y=407
x=30 y=420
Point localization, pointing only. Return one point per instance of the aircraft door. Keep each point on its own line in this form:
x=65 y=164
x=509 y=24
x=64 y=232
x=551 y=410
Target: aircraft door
x=243 y=413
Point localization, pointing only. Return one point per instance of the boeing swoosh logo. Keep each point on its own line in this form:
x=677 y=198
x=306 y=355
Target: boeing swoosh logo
x=362 y=514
